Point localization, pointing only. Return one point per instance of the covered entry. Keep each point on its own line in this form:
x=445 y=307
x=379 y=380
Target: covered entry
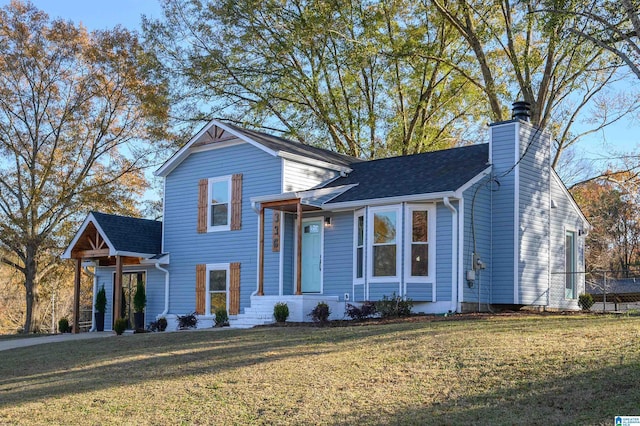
x=107 y=240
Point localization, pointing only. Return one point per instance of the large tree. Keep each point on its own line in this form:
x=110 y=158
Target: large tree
x=613 y=244
x=527 y=50
x=74 y=109
x=386 y=77
x=353 y=76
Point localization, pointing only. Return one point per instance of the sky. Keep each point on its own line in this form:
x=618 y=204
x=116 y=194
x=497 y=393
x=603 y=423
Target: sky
x=624 y=136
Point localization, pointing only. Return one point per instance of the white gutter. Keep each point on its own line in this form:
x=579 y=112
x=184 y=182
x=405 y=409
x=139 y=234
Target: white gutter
x=166 y=289
x=95 y=291
x=455 y=302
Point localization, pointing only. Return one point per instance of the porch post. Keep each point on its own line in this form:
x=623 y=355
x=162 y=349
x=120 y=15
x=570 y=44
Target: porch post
x=117 y=297
x=299 y=249
x=261 y=255
x=76 y=296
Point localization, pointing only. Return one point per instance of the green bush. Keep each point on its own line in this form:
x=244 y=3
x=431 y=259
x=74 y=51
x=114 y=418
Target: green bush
x=140 y=298
x=394 y=306
x=222 y=318
x=120 y=326
x=320 y=314
x=101 y=301
x=281 y=312
x=63 y=326
x=585 y=301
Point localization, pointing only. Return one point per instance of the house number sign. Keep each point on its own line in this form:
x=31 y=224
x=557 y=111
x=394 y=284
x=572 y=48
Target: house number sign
x=275 y=241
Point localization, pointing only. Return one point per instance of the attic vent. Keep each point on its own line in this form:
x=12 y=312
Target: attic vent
x=521 y=110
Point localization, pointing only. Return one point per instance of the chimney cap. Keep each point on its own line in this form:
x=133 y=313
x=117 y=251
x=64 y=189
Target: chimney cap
x=521 y=110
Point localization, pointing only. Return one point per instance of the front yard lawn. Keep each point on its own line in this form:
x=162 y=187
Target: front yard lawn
x=530 y=369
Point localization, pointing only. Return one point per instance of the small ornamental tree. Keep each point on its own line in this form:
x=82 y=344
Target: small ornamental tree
x=140 y=298
x=101 y=301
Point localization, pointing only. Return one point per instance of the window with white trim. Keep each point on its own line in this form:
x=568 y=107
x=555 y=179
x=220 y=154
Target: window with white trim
x=217 y=285
x=219 y=215
x=570 y=254
x=359 y=246
x=419 y=237
x=385 y=229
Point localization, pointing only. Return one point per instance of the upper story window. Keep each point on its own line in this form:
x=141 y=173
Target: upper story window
x=220 y=204
x=219 y=200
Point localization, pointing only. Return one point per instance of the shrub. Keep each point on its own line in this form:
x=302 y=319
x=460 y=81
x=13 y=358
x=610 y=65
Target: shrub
x=101 y=301
x=162 y=324
x=222 y=318
x=159 y=325
x=187 y=321
x=585 y=301
x=320 y=314
x=140 y=298
x=120 y=326
x=366 y=310
x=63 y=326
x=280 y=312
x=394 y=306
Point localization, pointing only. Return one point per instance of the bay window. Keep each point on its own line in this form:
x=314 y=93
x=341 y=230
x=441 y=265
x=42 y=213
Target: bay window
x=384 y=236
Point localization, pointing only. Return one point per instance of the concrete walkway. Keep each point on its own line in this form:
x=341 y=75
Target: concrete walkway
x=32 y=341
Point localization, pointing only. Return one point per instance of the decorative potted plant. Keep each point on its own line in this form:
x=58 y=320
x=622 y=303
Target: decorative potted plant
x=101 y=308
x=139 y=302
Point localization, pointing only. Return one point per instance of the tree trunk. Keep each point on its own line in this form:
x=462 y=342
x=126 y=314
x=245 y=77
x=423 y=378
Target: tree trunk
x=30 y=286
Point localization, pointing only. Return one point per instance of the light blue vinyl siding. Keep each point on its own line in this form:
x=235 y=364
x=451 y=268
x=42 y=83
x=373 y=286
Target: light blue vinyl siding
x=288 y=279
x=378 y=290
x=359 y=293
x=299 y=176
x=261 y=175
x=420 y=292
x=477 y=238
x=338 y=255
x=444 y=279
x=563 y=217
x=154 y=291
x=503 y=216
x=534 y=205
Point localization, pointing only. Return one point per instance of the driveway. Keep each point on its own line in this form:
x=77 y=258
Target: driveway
x=32 y=341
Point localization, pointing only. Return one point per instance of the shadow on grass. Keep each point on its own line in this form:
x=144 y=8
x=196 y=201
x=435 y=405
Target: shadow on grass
x=591 y=398
x=67 y=368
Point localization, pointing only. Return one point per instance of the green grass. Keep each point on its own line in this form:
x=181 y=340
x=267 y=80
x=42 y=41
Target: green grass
x=543 y=370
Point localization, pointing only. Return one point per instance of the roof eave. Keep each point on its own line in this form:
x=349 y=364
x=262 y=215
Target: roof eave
x=349 y=205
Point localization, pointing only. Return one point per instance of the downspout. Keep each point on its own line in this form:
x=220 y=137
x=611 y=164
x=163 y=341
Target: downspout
x=454 y=254
x=166 y=289
x=95 y=291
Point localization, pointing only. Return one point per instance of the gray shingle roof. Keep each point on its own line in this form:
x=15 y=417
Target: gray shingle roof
x=131 y=234
x=276 y=143
x=426 y=173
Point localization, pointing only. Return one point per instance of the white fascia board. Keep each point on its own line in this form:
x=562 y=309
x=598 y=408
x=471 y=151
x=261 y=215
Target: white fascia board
x=89 y=219
x=184 y=152
x=274 y=197
x=302 y=194
x=132 y=254
x=460 y=191
x=313 y=162
x=348 y=205
x=163 y=260
x=572 y=201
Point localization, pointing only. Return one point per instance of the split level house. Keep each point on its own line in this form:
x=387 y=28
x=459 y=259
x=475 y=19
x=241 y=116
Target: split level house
x=252 y=219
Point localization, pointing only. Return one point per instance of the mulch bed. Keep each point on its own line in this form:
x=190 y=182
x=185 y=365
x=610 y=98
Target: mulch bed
x=419 y=318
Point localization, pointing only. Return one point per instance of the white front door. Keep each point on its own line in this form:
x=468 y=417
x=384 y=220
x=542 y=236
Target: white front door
x=312 y=256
